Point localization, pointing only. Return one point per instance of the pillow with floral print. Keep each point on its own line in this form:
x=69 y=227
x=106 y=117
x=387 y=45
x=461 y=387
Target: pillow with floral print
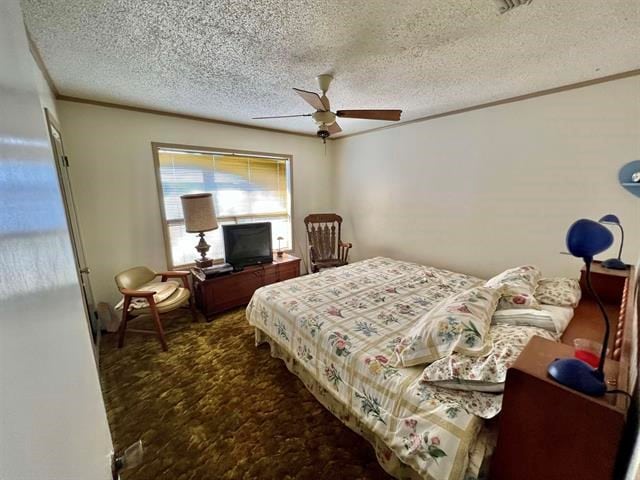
x=486 y=373
x=562 y=292
x=458 y=324
x=519 y=285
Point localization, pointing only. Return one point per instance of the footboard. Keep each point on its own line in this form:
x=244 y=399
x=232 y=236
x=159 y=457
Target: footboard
x=549 y=431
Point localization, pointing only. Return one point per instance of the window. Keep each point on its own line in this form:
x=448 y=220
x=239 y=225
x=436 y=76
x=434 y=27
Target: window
x=245 y=187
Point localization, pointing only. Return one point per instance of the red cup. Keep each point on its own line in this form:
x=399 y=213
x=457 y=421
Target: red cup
x=588 y=351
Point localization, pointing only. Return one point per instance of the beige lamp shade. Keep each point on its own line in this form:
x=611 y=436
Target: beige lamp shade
x=199 y=212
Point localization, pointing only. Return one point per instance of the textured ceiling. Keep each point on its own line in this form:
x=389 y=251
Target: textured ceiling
x=231 y=60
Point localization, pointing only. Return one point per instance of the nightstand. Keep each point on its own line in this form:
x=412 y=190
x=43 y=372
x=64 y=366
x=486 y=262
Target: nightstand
x=612 y=287
x=548 y=431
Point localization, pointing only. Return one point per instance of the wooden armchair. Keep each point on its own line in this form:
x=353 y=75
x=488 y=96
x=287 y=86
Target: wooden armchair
x=129 y=283
x=326 y=248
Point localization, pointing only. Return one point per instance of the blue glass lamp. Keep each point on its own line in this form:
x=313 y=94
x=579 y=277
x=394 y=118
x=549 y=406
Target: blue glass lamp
x=585 y=239
x=615 y=263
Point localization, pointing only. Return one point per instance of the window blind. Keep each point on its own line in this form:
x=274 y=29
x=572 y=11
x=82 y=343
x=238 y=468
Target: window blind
x=244 y=188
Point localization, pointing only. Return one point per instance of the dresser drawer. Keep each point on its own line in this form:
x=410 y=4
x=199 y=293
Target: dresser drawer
x=281 y=272
x=222 y=293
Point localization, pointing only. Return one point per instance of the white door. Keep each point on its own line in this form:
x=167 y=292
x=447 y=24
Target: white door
x=53 y=423
x=82 y=269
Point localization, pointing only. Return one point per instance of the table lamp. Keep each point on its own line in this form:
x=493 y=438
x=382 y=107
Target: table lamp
x=585 y=239
x=199 y=217
x=615 y=263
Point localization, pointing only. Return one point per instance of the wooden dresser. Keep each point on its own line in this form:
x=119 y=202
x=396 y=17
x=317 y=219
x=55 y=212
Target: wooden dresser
x=222 y=293
x=549 y=431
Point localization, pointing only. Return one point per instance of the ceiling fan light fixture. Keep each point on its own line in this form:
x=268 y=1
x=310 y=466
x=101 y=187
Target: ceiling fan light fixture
x=324 y=118
x=323 y=133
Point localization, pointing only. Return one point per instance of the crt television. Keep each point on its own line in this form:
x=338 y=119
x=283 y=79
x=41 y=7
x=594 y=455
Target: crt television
x=247 y=244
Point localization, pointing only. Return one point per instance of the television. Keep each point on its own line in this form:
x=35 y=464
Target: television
x=247 y=244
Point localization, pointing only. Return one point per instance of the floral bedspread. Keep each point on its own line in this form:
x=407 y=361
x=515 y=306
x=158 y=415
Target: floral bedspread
x=343 y=325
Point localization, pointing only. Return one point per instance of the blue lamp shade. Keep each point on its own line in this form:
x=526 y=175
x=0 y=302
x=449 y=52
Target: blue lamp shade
x=587 y=238
x=610 y=219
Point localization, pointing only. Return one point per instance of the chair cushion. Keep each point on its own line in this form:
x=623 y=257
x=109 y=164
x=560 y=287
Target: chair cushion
x=179 y=298
x=163 y=290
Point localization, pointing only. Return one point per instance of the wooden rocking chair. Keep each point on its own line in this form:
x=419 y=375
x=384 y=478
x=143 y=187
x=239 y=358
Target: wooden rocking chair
x=326 y=249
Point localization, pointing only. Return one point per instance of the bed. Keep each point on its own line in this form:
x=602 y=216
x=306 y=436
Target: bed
x=337 y=331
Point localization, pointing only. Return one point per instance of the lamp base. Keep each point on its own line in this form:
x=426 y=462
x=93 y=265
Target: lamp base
x=577 y=375
x=204 y=262
x=203 y=248
x=615 y=264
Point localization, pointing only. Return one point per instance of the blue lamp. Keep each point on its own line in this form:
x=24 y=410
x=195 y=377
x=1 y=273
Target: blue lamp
x=585 y=239
x=615 y=263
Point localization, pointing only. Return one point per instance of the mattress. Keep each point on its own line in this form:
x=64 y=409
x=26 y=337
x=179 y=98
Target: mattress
x=338 y=329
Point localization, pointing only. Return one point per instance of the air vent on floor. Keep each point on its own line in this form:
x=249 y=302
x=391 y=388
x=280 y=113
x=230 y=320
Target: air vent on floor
x=506 y=5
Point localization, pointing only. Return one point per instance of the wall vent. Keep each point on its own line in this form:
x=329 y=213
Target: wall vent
x=506 y=5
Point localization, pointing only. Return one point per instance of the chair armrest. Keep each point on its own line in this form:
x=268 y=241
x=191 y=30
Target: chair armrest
x=176 y=274
x=343 y=250
x=173 y=274
x=137 y=293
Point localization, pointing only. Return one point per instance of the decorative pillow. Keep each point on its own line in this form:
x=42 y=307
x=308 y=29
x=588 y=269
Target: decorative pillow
x=519 y=284
x=486 y=373
x=562 y=292
x=458 y=324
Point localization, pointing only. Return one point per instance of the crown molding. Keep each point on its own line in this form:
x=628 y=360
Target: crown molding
x=519 y=98
x=67 y=98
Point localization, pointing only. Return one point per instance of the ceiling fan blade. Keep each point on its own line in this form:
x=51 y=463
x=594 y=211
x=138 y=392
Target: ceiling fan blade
x=312 y=99
x=390 y=115
x=334 y=128
x=282 y=116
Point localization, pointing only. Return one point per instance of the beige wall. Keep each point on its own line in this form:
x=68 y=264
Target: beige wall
x=484 y=190
x=475 y=192
x=114 y=181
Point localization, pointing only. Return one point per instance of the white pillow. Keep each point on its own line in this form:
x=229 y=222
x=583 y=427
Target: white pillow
x=486 y=373
x=561 y=316
x=457 y=324
x=551 y=318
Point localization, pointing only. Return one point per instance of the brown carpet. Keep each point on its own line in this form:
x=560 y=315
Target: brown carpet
x=217 y=407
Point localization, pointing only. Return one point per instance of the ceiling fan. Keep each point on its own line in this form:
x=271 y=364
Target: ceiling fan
x=325 y=118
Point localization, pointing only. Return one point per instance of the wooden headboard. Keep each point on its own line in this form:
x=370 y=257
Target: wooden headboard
x=626 y=335
x=629 y=366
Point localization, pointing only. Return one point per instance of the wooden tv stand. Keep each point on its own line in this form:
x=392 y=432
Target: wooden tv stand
x=235 y=289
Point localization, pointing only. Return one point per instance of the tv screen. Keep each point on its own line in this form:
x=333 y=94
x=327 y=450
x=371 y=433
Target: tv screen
x=247 y=244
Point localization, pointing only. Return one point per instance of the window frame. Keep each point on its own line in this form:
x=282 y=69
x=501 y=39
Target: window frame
x=157 y=146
